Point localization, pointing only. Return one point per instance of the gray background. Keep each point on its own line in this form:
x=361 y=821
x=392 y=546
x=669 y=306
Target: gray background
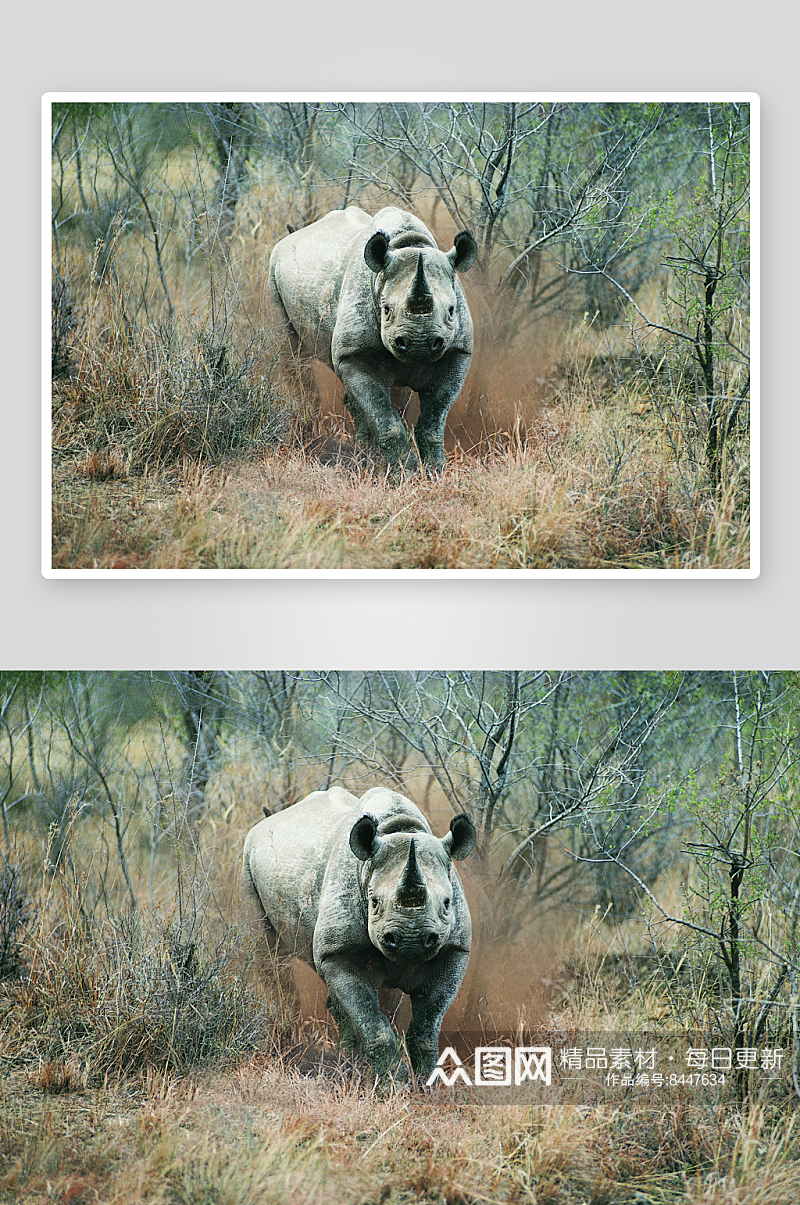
x=401 y=47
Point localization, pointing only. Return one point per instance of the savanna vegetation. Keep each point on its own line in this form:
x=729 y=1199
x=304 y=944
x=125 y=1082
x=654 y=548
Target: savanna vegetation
x=635 y=884
x=605 y=422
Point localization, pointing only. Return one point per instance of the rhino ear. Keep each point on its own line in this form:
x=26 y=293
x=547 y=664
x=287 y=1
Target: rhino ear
x=460 y=841
x=362 y=837
x=376 y=252
x=464 y=253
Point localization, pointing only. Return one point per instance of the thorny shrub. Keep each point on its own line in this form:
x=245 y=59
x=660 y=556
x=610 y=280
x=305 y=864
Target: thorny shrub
x=172 y=391
x=136 y=992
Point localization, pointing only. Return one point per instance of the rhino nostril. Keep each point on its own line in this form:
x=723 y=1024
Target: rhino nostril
x=437 y=344
x=401 y=344
x=430 y=941
x=390 y=941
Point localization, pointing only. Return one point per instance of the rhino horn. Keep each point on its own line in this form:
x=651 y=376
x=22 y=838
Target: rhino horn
x=420 y=298
x=412 y=892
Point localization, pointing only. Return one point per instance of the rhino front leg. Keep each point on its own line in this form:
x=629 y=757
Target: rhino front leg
x=363 y=431
x=429 y=434
x=353 y=1004
x=369 y=403
x=434 y=406
x=347 y=1035
x=429 y=1005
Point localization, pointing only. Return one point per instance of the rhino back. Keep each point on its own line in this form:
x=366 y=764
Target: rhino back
x=286 y=857
x=306 y=271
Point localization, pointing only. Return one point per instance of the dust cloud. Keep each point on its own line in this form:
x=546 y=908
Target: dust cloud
x=508 y=384
x=507 y=991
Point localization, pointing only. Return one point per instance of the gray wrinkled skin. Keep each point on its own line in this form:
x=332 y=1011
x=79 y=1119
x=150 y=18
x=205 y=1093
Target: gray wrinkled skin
x=334 y=882
x=376 y=300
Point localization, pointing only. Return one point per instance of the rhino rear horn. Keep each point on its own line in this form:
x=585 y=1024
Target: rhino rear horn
x=420 y=298
x=412 y=892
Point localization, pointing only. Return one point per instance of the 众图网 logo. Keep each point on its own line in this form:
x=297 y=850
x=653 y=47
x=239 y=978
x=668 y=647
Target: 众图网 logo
x=494 y=1066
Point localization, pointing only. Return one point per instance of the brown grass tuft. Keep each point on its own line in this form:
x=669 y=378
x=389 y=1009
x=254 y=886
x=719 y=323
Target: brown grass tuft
x=57 y=1077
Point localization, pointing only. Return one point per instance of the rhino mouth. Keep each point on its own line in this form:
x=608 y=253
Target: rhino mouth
x=418 y=351
x=410 y=949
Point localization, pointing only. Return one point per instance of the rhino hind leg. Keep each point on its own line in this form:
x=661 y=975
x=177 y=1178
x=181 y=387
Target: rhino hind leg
x=275 y=967
x=273 y=964
x=299 y=377
x=295 y=359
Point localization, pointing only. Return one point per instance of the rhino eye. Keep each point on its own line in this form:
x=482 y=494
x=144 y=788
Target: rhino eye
x=452 y=310
x=446 y=905
x=386 y=311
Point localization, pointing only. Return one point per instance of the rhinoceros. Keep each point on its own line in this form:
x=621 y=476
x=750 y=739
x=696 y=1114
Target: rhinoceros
x=377 y=301
x=362 y=891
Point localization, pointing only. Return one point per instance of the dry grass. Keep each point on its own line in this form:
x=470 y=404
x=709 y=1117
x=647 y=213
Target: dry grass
x=260 y=1132
x=542 y=504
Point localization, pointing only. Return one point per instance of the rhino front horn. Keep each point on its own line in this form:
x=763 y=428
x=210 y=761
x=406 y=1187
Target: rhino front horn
x=420 y=298
x=412 y=892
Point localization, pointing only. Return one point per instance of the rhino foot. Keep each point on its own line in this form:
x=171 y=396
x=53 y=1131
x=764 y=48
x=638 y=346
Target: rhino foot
x=392 y=1082
x=432 y=468
x=401 y=464
x=423 y=1056
x=431 y=452
x=383 y=1056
